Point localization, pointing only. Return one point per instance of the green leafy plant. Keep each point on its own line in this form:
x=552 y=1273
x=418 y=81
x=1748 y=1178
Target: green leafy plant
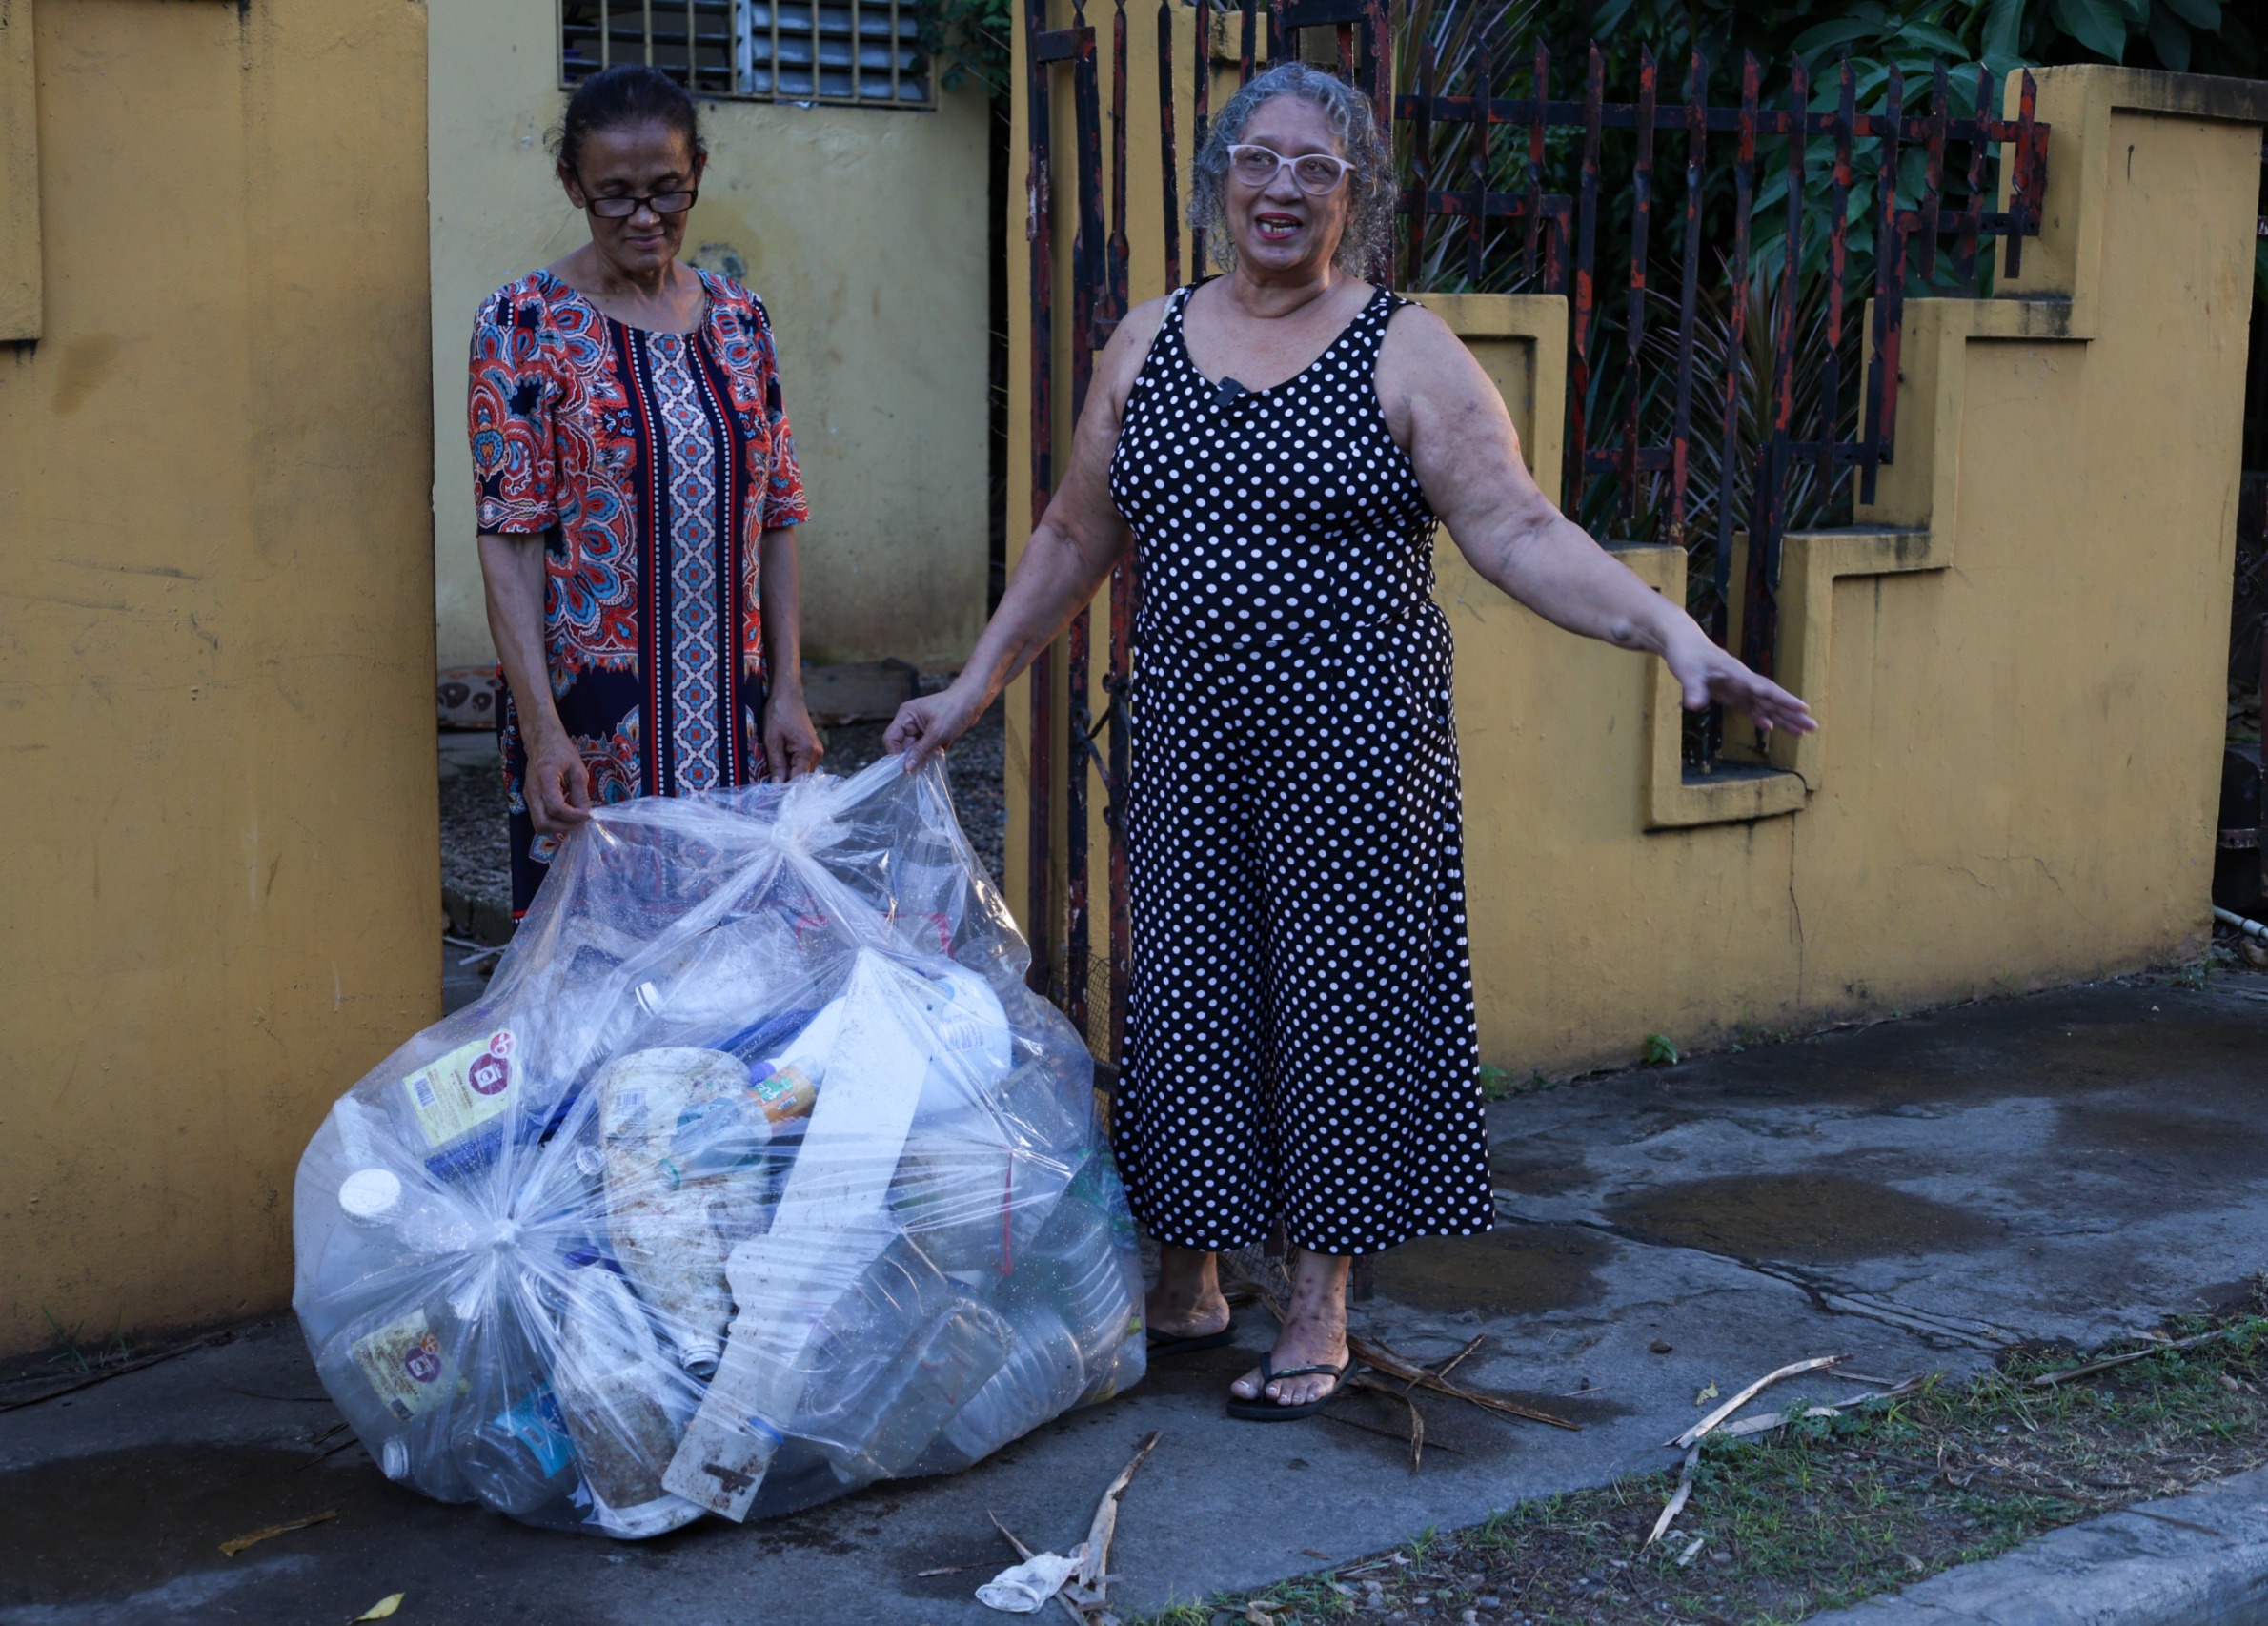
x=970 y=39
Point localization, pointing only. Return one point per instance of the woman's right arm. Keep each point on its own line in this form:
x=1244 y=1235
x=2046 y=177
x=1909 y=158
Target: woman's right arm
x=558 y=785
x=508 y=414
x=1070 y=555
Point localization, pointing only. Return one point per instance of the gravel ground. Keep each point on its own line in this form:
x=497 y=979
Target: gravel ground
x=474 y=847
x=974 y=767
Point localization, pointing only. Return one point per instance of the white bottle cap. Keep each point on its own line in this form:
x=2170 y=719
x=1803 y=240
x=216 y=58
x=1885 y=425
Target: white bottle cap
x=370 y=1196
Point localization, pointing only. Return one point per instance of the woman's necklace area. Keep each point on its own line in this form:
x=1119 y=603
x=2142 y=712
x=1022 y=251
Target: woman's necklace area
x=1230 y=387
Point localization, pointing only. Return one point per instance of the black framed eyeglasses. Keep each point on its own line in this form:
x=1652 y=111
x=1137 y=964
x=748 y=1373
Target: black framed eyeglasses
x=620 y=208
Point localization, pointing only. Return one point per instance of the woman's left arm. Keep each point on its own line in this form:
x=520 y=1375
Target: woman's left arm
x=1443 y=407
x=791 y=743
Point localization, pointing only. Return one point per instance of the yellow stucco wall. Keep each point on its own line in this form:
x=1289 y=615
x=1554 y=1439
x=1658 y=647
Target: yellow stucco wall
x=216 y=645
x=2017 y=655
x=863 y=232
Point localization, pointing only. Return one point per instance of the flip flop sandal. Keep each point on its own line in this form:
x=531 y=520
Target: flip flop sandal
x=1160 y=1348
x=1262 y=1409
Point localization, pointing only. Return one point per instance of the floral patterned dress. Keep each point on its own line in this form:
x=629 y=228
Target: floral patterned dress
x=650 y=463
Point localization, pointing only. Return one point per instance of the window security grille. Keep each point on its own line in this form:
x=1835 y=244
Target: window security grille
x=860 y=52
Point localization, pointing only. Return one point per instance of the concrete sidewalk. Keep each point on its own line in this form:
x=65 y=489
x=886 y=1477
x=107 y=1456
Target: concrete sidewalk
x=2071 y=1166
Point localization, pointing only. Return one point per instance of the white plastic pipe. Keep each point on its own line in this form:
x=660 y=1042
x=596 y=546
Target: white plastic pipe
x=2250 y=928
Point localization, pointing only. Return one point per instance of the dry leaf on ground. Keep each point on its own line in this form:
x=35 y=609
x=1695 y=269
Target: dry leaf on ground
x=236 y=1544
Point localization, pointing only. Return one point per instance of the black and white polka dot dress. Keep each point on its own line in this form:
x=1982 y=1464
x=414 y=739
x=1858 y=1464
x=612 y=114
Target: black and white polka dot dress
x=1300 y=1041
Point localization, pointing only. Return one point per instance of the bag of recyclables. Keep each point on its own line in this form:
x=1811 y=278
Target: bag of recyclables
x=756 y=1176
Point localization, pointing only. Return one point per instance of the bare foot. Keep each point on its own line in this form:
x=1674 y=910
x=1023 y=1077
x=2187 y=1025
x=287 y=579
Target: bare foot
x=1186 y=1303
x=1313 y=1333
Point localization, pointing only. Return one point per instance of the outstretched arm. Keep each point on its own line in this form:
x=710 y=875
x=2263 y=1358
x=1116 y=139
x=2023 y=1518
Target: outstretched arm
x=1063 y=565
x=1443 y=407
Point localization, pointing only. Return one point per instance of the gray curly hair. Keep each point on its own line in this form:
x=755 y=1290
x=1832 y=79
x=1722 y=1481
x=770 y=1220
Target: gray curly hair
x=1370 y=192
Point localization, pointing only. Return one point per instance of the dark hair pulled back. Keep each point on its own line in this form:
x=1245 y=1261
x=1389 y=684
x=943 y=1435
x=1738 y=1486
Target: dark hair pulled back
x=624 y=95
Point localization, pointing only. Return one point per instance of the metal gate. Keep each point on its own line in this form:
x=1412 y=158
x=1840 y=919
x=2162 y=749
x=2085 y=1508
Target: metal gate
x=1515 y=176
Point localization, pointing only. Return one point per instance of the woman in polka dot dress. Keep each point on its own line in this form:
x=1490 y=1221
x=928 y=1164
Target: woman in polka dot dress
x=1278 y=444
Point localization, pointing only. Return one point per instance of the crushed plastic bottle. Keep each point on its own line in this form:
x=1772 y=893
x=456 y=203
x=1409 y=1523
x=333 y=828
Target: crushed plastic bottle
x=757 y=1175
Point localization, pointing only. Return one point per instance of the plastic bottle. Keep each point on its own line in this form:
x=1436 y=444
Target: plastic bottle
x=521 y=1458
x=377 y=1202
x=898 y=1352
x=948 y=1363
x=457 y=1107
x=788 y=1085
x=396 y=1372
x=622 y=1403
x=1089 y=1290
x=1086 y=1264
x=1041 y=1376
x=658 y=1216
x=955 y=1196
x=928 y=890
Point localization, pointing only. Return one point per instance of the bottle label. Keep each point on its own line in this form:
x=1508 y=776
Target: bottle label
x=783 y=1092
x=456 y=1094
x=536 y=1424
x=405 y=1364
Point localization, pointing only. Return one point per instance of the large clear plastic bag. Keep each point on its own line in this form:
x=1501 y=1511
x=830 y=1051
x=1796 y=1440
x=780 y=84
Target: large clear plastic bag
x=757 y=1175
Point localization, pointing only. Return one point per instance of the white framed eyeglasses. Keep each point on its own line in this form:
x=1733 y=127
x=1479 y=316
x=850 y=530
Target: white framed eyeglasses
x=1315 y=173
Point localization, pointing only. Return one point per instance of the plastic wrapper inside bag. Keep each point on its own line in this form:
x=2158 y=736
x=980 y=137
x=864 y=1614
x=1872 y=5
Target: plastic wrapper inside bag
x=757 y=1175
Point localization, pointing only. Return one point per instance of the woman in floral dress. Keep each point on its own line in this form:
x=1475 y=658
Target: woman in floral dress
x=636 y=485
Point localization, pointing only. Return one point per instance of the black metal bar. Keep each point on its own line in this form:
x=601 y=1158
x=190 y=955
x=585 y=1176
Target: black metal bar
x=1421 y=165
x=1456 y=203
x=1634 y=309
x=1838 y=260
x=1039 y=894
x=1535 y=159
x=1932 y=181
x=1476 y=222
x=1251 y=15
x=1689 y=293
x=1759 y=618
x=1116 y=288
x=1377 y=75
x=1743 y=198
x=1772 y=122
x=2023 y=204
x=1656 y=459
x=1587 y=211
x=1293 y=15
x=1201 y=117
x=1090 y=292
x=1965 y=246
x=1879 y=438
x=1169 y=165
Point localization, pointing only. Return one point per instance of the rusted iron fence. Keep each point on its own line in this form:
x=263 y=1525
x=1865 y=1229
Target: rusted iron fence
x=1691 y=351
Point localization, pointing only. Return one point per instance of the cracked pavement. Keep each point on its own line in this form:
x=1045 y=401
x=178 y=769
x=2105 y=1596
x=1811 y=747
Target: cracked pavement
x=2071 y=1166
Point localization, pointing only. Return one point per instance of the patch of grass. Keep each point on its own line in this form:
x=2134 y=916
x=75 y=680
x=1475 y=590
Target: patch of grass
x=1826 y=1511
x=1498 y=1084
x=110 y=1351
